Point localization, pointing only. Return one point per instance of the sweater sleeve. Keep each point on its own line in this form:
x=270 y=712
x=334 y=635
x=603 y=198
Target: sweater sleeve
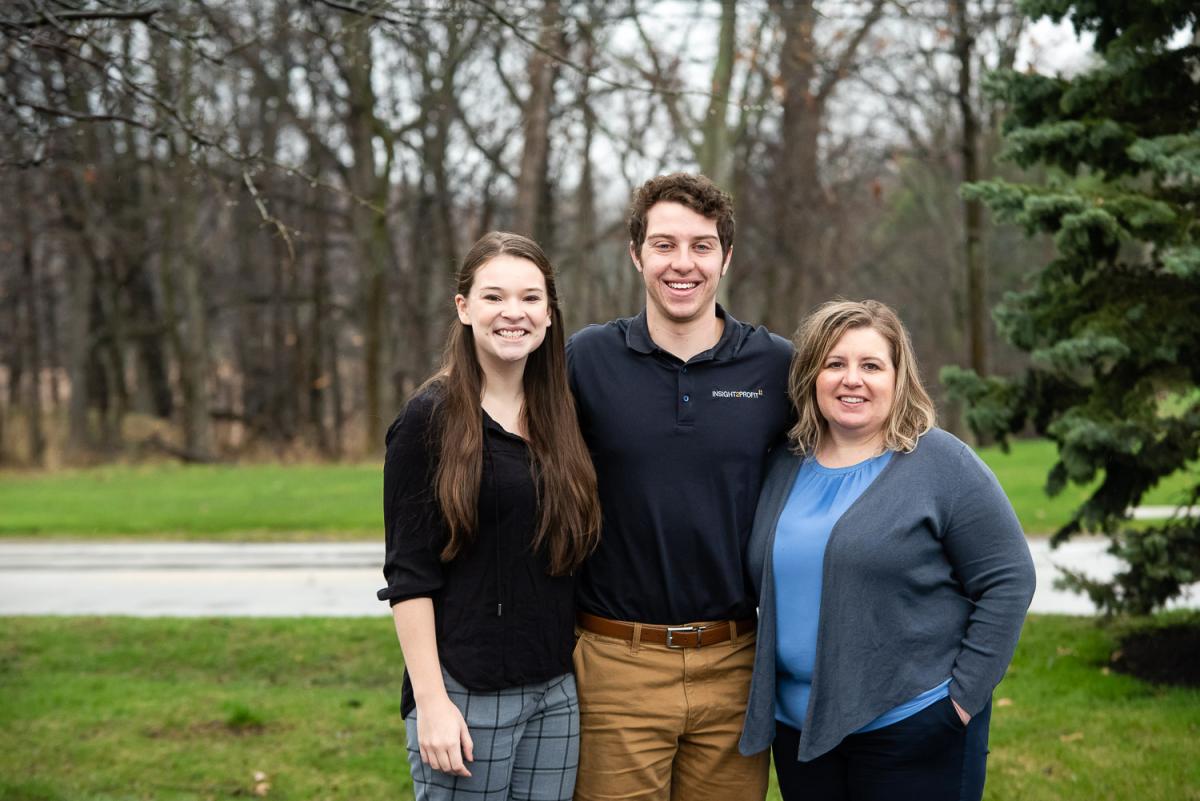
x=415 y=531
x=989 y=555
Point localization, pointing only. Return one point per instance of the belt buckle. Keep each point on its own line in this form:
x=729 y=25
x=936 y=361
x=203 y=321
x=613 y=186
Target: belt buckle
x=673 y=630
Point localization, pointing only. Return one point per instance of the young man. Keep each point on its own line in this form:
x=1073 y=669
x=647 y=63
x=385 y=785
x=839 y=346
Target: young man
x=679 y=406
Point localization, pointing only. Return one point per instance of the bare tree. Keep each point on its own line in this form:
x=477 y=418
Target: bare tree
x=246 y=214
x=800 y=277
x=30 y=339
x=715 y=157
x=964 y=45
x=530 y=213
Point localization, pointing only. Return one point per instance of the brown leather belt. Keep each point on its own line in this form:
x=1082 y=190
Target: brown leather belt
x=670 y=636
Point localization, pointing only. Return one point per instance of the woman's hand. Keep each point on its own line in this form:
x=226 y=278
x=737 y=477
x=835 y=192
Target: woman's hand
x=445 y=742
x=441 y=730
x=962 y=713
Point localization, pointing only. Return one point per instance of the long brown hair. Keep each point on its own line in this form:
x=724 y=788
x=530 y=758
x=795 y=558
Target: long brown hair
x=569 y=524
x=912 y=413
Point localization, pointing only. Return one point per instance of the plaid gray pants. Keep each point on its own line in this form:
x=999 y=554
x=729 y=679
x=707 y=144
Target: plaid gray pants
x=526 y=744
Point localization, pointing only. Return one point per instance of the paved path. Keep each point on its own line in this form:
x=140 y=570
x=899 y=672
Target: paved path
x=160 y=579
x=1163 y=512
x=157 y=579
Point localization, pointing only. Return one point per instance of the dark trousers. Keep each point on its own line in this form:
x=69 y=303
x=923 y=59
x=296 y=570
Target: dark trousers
x=929 y=756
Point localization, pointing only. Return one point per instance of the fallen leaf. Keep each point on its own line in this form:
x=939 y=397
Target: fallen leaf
x=1116 y=655
x=1004 y=702
x=1104 y=671
x=1064 y=650
x=261 y=784
x=1072 y=737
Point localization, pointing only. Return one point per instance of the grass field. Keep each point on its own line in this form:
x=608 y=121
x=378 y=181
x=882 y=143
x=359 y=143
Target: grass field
x=272 y=502
x=120 y=709
x=170 y=501
x=1022 y=472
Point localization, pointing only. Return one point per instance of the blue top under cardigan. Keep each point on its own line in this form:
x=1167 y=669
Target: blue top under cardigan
x=818 y=498
x=926 y=575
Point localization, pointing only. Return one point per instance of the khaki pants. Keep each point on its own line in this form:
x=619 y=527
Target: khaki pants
x=663 y=723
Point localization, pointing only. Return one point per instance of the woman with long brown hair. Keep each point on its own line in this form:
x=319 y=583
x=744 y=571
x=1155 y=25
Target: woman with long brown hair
x=490 y=505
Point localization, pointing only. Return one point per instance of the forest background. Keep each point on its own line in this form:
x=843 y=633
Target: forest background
x=230 y=228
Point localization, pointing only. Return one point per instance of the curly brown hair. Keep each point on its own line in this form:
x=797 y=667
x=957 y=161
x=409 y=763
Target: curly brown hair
x=693 y=191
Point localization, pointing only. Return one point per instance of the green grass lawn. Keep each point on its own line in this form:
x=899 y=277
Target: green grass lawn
x=1064 y=727
x=109 y=709
x=266 y=502
x=170 y=501
x=1022 y=472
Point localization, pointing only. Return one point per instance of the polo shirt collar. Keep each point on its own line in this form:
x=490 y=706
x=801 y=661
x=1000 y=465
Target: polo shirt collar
x=637 y=337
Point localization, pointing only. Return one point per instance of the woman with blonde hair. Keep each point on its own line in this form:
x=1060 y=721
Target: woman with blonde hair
x=489 y=506
x=893 y=579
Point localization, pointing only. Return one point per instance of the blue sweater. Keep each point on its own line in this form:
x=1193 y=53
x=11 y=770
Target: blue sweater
x=926 y=575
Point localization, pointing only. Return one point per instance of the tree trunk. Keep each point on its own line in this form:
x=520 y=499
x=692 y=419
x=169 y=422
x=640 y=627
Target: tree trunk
x=793 y=278
x=54 y=349
x=800 y=276
x=184 y=306
x=110 y=351
x=586 y=284
x=336 y=391
x=281 y=394
x=79 y=346
x=529 y=218
x=186 y=321
x=318 y=378
x=197 y=421
x=150 y=342
x=91 y=250
x=31 y=341
x=434 y=256
x=137 y=171
x=715 y=161
x=370 y=182
x=972 y=209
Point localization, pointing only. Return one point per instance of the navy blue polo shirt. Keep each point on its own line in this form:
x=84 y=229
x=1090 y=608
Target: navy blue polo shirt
x=679 y=449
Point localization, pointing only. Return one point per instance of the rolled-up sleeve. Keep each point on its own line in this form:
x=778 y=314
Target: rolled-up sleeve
x=415 y=531
x=988 y=553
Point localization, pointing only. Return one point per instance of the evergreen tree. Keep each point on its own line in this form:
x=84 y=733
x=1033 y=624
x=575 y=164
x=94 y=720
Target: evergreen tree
x=1112 y=322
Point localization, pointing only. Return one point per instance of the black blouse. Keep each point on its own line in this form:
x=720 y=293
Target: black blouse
x=501 y=620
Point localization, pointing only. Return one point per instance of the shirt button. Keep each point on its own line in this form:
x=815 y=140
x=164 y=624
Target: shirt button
x=685 y=369
x=687 y=398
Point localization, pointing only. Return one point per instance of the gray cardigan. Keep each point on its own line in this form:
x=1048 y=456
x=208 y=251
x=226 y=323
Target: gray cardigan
x=926 y=575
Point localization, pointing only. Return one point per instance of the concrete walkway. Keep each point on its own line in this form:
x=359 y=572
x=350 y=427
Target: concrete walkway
x=157 y=579
x=1163 y=512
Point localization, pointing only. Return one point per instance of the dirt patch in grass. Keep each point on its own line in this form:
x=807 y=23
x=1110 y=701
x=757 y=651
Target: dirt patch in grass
x=1164 y=655
x=208 y=729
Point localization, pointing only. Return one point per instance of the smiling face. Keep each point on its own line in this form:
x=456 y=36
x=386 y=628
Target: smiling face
x=856 y=384
x=508 y=311
x=681 y=263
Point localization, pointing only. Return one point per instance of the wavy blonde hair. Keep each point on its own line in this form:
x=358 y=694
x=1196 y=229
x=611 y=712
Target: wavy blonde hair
x=912 y=413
